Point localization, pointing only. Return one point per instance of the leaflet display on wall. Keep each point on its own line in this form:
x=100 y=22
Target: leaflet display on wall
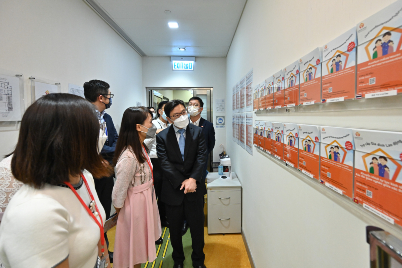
x=261 y=141
x=277 y=145
x=338 y=68
x=378 y=176
x=10 y=98
x=238 y=97
x=234 y=99
x=337 y=146
x=379 y=55
x=292 y=83
x=261 y=94
x=242 y=88
x=310 y=77
x=309 y=150
x=279 y=92
x=256 y=97
x=249 y=133
x=268 y=140
x=238 y=124
x=291 y=144
x=234 y=128
x=249 y=91
x=269 y=93
x=256 y=132
x=243 y=131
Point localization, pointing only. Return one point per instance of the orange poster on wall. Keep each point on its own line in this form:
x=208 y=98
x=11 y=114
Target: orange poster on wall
x=291 y=144
x=256 y=98
x=255 y=132
x=338 y=68
x=261 y=141
x=379 y=57
x=269 y=93
x=261 y=94
x=242 y=89
x=337 y=147
x=292 y=83
x=277 y=144
x=378 y=176
x=309 y=150
x=279 y=89
x=310 y=77
x=268 y=138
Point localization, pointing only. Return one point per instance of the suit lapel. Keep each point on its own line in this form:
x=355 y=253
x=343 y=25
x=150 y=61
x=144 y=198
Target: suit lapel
x=189 y=139
x=172 y=139
x=202 y=121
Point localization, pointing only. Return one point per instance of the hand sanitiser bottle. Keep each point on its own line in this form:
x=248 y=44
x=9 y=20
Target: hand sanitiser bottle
x=220 y=169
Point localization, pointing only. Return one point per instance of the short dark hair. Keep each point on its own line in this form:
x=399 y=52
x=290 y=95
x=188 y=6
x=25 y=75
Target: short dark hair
x=160 y=106
x=58 y=137
x=128 y=136
x=94 y=88
x=390 y=41
x=387 y=33
x=197 y=99
x=333 y=59
x=374 y=158
x=337 y=146
x=339 y=55
x=383 y=157
x=378 y=40
x=171 y=105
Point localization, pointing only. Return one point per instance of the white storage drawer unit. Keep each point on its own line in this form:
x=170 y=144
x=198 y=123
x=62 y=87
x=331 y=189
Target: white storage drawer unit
x=224 y=206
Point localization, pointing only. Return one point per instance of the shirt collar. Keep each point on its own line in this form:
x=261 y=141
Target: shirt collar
x=197 y=123
x=177 y=129
x=100 y=114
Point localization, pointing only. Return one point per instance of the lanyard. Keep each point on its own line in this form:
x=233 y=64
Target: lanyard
x=149 y=163
x=100 y=224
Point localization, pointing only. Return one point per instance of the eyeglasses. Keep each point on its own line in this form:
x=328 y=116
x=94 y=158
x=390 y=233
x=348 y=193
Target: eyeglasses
x=105 y=95
x=175 y=116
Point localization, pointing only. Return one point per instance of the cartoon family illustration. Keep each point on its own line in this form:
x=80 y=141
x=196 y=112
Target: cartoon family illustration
x=309 y=74
x=291 y=81
x=269 y=134
x=278 y=137
x=308 y=146
x=334 y=153
x=291 y=141
x=336 y=64
x=278 y=86
x=383 y=47
x=379 y=167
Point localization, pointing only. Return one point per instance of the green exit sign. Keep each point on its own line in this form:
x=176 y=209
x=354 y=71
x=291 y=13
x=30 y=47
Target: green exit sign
x=183 y=65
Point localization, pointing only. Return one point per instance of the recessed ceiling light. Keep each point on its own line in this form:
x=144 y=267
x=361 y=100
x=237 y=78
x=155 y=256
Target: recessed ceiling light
x=173 y=25
x=182 y=48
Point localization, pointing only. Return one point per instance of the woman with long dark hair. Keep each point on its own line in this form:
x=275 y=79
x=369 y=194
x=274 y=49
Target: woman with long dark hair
x=56 y=219
x=138 y=224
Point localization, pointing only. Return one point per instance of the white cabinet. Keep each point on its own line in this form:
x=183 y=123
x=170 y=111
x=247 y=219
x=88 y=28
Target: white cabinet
x=224 y=206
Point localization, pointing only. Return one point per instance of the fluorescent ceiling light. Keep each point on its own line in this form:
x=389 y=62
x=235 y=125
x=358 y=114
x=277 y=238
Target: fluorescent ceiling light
x=182 y=48
x=173 y=25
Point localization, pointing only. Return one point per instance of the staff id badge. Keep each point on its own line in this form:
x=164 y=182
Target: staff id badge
x=101 y=263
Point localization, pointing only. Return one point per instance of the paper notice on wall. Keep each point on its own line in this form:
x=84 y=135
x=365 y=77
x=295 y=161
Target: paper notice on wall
x=243 y=131
x=277 y=144
x=269 y=93
x=378 y=174
x=234 y=99
x=268 y=137
x=42 y=89
x=10 y=99
x=249 y=133
x=337 y=146
x=291 y=144
x=379 y=55
x=292 y=83
x=338 y=68
x=279 y=89
x=256 y=97
x=238 y=97
x=242 y=88
x=249 y=91
x=220 y=105
x=309 y=150
x=76 y=90
x=310 y=77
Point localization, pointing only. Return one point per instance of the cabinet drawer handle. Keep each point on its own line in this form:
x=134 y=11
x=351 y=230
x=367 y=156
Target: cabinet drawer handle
x=224 y=219
x=224 y=198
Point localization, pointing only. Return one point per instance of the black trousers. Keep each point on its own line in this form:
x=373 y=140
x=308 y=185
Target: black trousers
x=104 y=188
x=194 y=213
x=158 y=176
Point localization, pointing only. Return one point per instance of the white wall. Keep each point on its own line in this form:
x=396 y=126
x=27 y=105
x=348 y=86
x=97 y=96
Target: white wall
x=286 y=222
x=208 y=72
x=67 y=42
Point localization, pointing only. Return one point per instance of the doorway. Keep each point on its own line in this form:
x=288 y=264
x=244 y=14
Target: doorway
x=156 y=95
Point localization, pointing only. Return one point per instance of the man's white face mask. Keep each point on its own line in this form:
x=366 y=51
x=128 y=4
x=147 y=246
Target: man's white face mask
x=193 y=110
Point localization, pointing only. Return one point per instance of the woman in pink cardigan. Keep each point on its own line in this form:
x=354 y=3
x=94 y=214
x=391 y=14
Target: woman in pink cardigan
x=138 y=224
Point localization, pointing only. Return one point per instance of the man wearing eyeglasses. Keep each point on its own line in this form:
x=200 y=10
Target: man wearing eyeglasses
x=98 y=93
x=182 y=151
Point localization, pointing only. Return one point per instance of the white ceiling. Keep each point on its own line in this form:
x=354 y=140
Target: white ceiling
x=206 y=27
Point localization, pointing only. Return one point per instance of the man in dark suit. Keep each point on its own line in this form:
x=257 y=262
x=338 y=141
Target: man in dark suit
x=182 y=153
x=195 y=107
x=98 y=93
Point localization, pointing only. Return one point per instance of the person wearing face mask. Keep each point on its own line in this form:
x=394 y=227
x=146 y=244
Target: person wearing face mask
x=160 y=123
x=182 y=152
x=152 y=111
x=98 y=93
x=138 y=225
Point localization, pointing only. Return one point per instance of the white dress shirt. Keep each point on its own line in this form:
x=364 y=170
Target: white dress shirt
x=176 y=130
x=151 y=143
x=196 y=123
